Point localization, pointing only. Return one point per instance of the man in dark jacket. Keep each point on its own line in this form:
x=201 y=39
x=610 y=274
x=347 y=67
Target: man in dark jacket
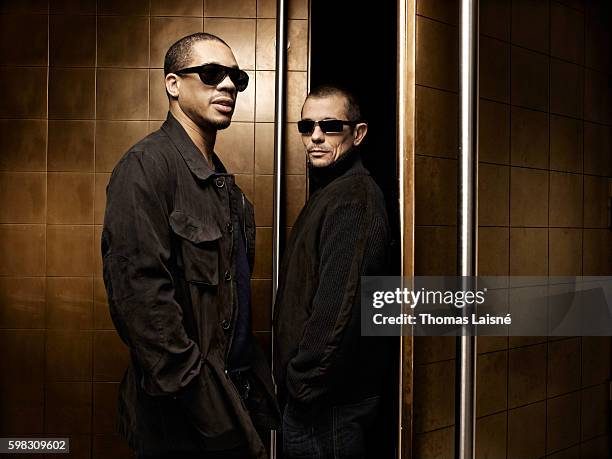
x=178 y=245
x=328 y=375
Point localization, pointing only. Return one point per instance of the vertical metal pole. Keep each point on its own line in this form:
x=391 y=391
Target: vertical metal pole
x=279 y=142
x=465 y=413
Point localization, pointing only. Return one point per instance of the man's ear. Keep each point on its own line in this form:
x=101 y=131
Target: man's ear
x=172 y=85
x=361 y=129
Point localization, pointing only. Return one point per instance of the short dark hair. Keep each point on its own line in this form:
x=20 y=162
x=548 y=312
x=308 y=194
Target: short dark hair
x=352 y=108
x=179 y=54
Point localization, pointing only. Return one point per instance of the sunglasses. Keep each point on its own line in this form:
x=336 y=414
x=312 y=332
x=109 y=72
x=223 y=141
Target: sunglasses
x=213 y=74
x=327 y=126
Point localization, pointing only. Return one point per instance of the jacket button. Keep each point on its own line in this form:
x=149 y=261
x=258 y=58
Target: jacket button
x=220 y=182
x=229 y=227
x=225 y=324
x=228 y=276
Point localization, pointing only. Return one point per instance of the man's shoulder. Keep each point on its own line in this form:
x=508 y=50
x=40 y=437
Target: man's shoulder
x=155 y=151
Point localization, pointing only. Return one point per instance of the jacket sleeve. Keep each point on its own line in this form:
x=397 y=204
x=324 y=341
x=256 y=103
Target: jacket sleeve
x=136 y=249
x=332 y=325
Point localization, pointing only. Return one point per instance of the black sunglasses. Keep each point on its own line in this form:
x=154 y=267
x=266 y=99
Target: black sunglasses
x=327 y=126
x=213 y=74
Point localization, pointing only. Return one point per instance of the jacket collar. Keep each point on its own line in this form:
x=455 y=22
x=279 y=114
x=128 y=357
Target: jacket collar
x=190 y=153
x=348 y=164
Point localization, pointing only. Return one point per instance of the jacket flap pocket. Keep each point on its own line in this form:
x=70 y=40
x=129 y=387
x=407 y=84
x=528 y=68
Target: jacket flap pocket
x=192 y=229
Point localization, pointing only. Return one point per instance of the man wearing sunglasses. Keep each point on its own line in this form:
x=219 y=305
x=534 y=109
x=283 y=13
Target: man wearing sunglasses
x=178 y=244
x=328 y=376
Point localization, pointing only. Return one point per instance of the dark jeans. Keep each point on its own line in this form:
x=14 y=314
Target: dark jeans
x=330 y=432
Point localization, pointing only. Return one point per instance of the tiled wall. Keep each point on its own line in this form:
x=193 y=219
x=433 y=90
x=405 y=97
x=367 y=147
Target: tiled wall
x=82 y=81
x=545 y=168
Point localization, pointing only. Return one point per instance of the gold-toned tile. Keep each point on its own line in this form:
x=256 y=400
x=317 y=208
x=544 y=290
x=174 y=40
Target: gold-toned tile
x=563 y=367
x=597 y=37
x=297 y=53
x=24 y=245
x=111 y=356
x=295 y=197
x=23 y=39
x=22 y=143
x=528 y=197
x=97 y=251
x=262 y=304
x=493 y=195
x=245 y=102
x=565 y=252
x=263 y=254
x=295 y=158
x=70 y=197
x=235 y=9
x=565 y=207
x=436 y=54
x=530 y=25
x=493 y=132
x=441 y=10
x=264 y=107
x=562 y=421
x=491 y=435
x=123 y=41
x=236 y=147
x=158 y=98
x=71 y=146
x=114 y=139
x=526 y=375
x=72 y=6
x=596 y=197
x=597 y=147
x=264 y=148
x=69 y=250
x=529 y=79
x=435 y=191
x=597 y=96
x=435 y=251
x=430 y=349
x=64 y=50
x=239 y=34
x=26 y=6
x=298 y=9
x=266 y=9
x=495 y=19
x=566 y=88
x=594 y=418
x=265 y=49
x=263 y=199
x=434 y=404
x=566 y=33
x=436 y=122
x=566 y=139
x=166 y=31
x=245 y=183
x=133 y=7
x=494 y=81
x=23 y=406
x=435 y=444
x=596 y=353
x=26 y=96
x=491 y=384
x=105 y=407
x=102 y=318
x=297 y=90
x=24 y=357
x=122 y=94
x=68 y=355
x=23 y=302
x=597 y=252
x=528 y=251
x=101 y=182
x=111 y=445
x=22 y=197
x=529 y=141
x=72 y=93
x=68 y=407
x=177 y=8
x=69 y=303
x=493 y=251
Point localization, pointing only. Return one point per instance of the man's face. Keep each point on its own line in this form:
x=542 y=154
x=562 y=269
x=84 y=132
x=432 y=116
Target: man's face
x=323 y=149
x=208 y=105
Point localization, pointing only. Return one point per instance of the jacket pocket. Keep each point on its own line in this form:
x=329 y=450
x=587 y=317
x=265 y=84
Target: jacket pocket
x=199 y=247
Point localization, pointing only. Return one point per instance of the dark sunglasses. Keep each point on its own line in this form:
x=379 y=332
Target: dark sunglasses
x=327 y=126
x=213 y=74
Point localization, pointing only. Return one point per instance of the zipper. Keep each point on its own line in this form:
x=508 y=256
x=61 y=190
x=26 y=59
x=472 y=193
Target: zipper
x=246 y=241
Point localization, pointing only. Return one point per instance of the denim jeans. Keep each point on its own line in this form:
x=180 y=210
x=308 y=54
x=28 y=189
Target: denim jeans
x=329 y=432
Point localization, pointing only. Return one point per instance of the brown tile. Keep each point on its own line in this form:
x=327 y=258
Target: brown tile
x=435 y=250
x=595 y=360
x=596 y=448
x=491 y=343
x=266 y=9
x=594 y=419
x=71 y=146
x=434 y=404
x=264 y=148
x=527 y=431
x=495 y=18
x=64 y=50
x=177 y=8
x=70 y=303
x=239 y=34
x=70 y=197
x=565 y=200
x=68 y=356
x=265 y=49
x=72 y=93
x=69 y=250
x=264 y=341
x=166 y=31
x=435 y=191
x=24 y=245
x=105 y=416
x=110 y=445
x=436 y=54
x=101 y=182
x=123 y=41
x=597 y=37
x=526 y=375
x=23 y=39
x=68 y=407
x=26 y=96
x=430 y=349
x=596 y=196
x=436 y=444
x=491 y=433
x=262 y=304
x=295 y=197
x=295 y=158
x=297 y=9
x=97 y=252
x=529 y=142
x=24 y=356
x=122 y=94
x=102 y=318
x=264 y=109
x=566 y=33
x=562 y=422
x=528 y=197
x=491 y=384
x=297 y=84
x=570 y=453
x=23 y=302
x=597 y=252
x=575 y=4
x=22 y=197
x=236 y=146
x=239 y=8
x=158 y=99
x=436 y=122
x=597 y=147
x=114 y=139
x=263 y=254
x=297 y=40
x=493 y=247
x=565 y=144
x=23 y=406
x=440 y=10
x=134 y=7
x=245 y=183
x=563 y=367
x=493 y=132
x=111 y=356
x=26 y=6
x=530 y=25
x=72 y=6
x=597 y=97
x=565 y=248
x=529 y=79
x=245 y=103
x=494 y=82
x=566 y=88
x=264 y=185
x=528 y=251
x=23 y=145
x=494 y=195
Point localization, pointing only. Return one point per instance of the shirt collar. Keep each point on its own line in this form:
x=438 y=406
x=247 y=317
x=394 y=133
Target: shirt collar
x=348 y=164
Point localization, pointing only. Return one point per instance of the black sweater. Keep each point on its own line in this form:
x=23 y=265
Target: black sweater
x=340 y=235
